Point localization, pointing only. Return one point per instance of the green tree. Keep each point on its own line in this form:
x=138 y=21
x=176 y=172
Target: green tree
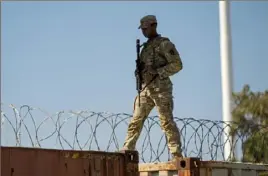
x=250 y=116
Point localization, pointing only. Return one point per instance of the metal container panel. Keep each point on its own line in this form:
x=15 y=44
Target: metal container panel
x=212 y=168
x=227 y=172
x=195 y=167
x=16 y=161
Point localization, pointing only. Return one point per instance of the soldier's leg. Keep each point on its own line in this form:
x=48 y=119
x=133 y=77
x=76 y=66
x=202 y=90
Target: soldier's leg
x=136 y=124
x=164 y=105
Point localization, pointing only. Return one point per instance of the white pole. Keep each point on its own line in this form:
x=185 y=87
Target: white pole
x=226 y=73
x=0 y=99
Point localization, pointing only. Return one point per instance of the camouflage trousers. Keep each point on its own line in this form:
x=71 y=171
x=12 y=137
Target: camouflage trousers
x=163 y=101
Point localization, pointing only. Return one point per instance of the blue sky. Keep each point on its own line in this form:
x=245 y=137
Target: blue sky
x=81 y=55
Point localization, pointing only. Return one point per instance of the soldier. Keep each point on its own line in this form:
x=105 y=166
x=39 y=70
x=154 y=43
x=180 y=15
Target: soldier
x=160 y=59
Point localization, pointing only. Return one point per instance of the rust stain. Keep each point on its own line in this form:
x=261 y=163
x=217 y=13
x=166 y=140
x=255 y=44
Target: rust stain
x=180 y=164
x=144 y=167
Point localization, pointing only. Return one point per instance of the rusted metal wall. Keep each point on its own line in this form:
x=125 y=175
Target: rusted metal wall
x=195 y=167
x=45 y=162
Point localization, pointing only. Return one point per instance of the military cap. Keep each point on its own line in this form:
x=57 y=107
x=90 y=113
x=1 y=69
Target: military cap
x=147 y=20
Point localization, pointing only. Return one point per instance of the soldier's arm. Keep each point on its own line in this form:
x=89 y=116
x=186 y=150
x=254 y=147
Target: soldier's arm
x=174 y=65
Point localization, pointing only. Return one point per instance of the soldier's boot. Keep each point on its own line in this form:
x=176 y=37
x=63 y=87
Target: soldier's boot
x=124 y=148
x=176 y=156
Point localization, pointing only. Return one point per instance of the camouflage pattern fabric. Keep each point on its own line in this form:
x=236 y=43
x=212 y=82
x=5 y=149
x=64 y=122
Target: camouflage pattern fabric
x=160 y=55
x=147 y=20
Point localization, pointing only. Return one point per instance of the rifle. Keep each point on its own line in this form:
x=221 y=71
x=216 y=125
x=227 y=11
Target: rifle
x=138 y=70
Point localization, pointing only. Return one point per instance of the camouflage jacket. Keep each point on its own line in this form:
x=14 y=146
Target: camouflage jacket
x=161 y=54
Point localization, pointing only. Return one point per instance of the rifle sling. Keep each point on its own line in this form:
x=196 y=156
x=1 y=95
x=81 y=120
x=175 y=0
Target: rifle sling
x=155 y=76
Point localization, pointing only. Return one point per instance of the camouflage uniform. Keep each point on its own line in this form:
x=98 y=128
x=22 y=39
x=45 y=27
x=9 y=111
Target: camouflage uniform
x=161 y=54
